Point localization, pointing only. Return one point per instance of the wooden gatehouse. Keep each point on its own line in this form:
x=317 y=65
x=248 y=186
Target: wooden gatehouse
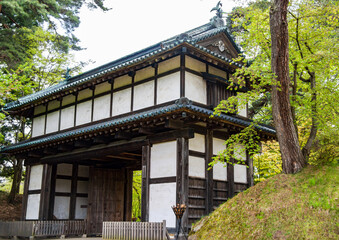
x=147 y=111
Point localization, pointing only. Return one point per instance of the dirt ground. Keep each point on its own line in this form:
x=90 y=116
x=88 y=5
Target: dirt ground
x=10 y=212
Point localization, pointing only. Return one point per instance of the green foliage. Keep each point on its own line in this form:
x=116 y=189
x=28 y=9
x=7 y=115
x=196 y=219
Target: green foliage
x=268 y=162
x=314 y=53
x=22 y=17
x=136 y=196
x=300 y=206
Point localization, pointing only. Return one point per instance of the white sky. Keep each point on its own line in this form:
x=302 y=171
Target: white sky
x=132 y=25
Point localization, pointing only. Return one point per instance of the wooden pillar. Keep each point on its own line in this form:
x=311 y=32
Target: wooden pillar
x=182 y=177
x=146 y=159
x=52 y=194
x=128 y=195
x=209 y=174
x=249 y=162
x=230 y=178
x=45 y=192
x=74 y=184
x=25 y=197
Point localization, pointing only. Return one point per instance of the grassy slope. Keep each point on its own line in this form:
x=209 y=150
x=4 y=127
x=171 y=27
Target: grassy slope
x=301 y=206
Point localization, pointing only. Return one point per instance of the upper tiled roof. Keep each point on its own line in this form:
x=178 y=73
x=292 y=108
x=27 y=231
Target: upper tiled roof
x=190 y=37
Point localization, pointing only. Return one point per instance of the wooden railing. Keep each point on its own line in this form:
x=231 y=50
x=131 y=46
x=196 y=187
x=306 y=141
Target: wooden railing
x=134 y=230
x=18 y=228
x=43 y=228
x=55 y=228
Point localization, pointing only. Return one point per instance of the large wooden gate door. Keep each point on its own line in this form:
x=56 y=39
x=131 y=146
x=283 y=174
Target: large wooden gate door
x=106 y=197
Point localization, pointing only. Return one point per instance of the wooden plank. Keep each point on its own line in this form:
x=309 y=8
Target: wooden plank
x=146 y=158
x=209 y=174
x=74 y=184
x=250 y=180
x=25 y=195
x=230 y=179
x=128 y=195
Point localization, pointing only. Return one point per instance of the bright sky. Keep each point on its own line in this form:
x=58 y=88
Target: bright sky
x=132 y=25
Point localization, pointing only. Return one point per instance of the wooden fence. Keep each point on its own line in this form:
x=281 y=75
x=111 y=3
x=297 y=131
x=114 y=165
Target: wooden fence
x=135 y=231
x=42 y=228
x=18 y=228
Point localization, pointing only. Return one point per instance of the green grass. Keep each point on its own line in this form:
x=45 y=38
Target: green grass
x=300 y=206
x=5 y=186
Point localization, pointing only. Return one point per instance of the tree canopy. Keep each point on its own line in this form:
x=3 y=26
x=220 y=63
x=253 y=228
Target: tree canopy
x=313 y=68
x=21 y=18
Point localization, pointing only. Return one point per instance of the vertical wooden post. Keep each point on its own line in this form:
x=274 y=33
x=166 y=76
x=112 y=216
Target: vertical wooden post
x=146 y=159
x=128 y=195
x=52 y=193
x=182 y=72
x=230 y=178
x=182 y=178
x=25 y=197
x=249 y=162
x=209 y=174
x=74 y=184
x=45 y=192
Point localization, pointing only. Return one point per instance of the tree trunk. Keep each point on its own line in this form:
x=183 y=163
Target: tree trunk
x=292 y=157
x=17 y=167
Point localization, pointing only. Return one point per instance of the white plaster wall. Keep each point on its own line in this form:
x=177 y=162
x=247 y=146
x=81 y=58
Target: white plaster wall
x=53 y=105
x=83 y=171
x=218 y=145
x=33 y=205
x=240 y=152
x=217 y=71
x=164 y=159
x=195 y=88
x=169 y=64
x=144 y=73
x=80 y=213
x=61 y=207
x=196 y=167
x=64 y=169
x=38 y=127
x=122 y=81
x=35 y=178
x=67 y=117
x=84 y=113
x=86 y=93
x=102 y=107
x=143 y=95
x=63 y=185
x=52 y=123
x=197 y=143
x=68 y=99
x=82 y=187
x=242 y=111
x=39 y=109
x=122 y=102
x=194 y=64
x=220 y=171
x=168 y=88
x=240 y=173
x=162 y=198
x=102 y=87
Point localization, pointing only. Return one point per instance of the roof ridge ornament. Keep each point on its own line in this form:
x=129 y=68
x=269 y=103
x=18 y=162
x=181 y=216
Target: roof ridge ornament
x=217 y=20
x=67 y=75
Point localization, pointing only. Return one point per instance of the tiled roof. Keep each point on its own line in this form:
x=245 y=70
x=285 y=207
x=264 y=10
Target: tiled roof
x=191 y=37
x=179 y=105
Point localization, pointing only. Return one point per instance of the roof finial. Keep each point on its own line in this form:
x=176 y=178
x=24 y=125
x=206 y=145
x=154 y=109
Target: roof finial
x=217 y=20
x=67 y=75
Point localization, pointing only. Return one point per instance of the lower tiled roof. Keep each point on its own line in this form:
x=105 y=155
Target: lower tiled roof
x=182 y=104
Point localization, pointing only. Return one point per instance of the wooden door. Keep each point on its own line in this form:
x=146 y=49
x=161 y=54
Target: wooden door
x=106 y=197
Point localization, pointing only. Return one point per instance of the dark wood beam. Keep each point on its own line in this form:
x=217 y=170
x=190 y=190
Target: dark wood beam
x=174 y=124
x=65 y=148
x=120 y=135
x=82 y=143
